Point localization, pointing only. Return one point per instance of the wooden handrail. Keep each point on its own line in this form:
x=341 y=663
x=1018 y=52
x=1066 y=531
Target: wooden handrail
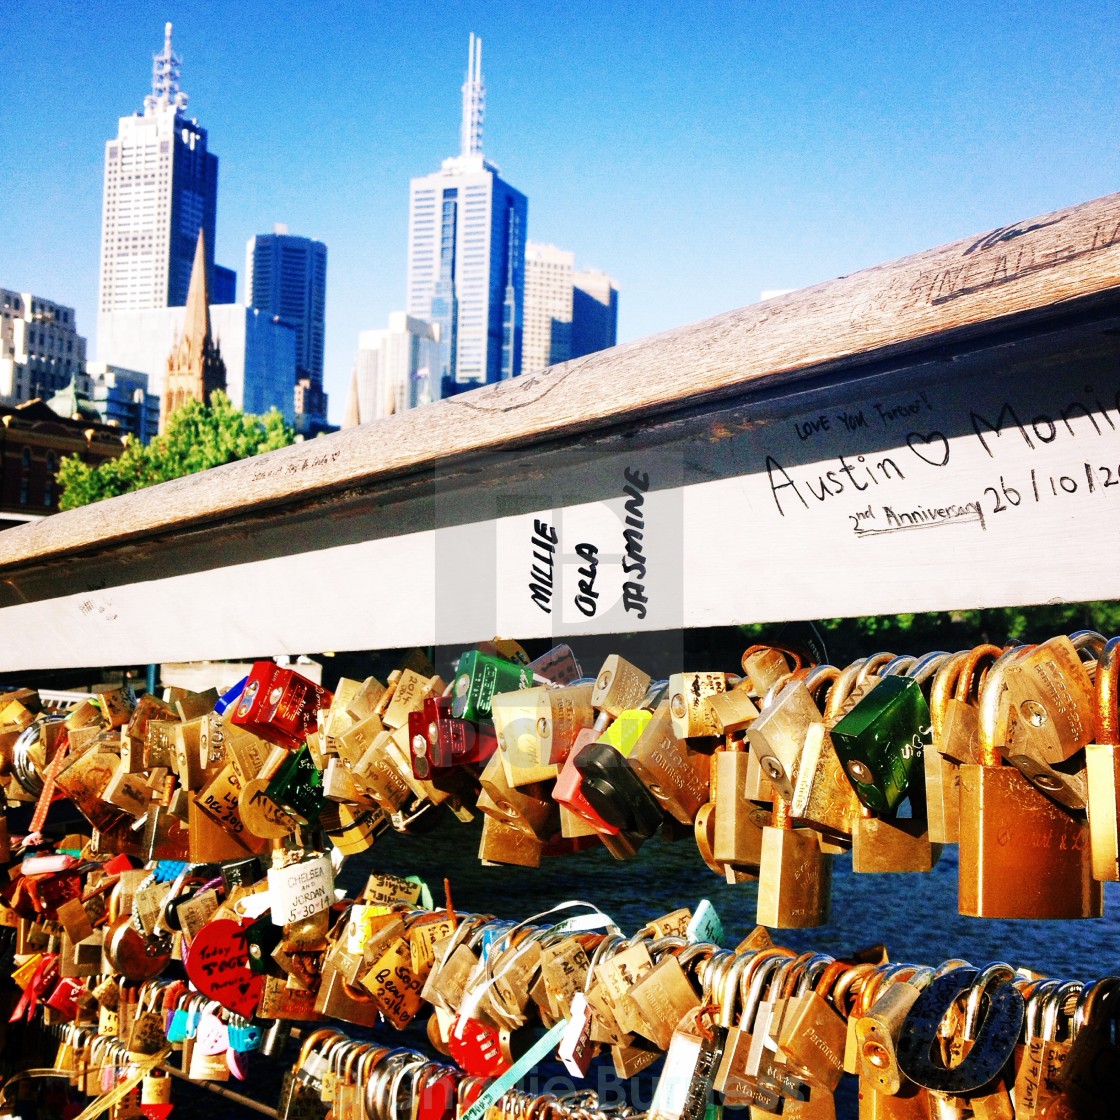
x=937 y=433
x=1024 y=271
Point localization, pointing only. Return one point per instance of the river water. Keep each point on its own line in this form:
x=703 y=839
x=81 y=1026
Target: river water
x=914 y=915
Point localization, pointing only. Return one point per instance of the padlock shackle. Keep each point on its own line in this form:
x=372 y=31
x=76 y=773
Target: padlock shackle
x=991 y=705
x=941 y=691
x=1107 y=728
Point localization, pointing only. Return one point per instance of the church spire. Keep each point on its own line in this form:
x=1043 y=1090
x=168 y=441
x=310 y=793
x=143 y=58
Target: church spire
x=194 y=367
x=474 y=101
x=197 y=321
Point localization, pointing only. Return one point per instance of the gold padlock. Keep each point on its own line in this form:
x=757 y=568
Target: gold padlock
x=1102 y=765
x=1021 y=855
x=795 y=876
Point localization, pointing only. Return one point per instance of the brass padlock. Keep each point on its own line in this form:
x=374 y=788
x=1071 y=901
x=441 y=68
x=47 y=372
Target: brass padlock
x=823 y=797
x=673 y=772
x=619 y=686
x=941 y=772
x=1102 y=767
x=778 y=735
x=1021 y=855
x=738 y=831
x=795 y=877
x=688 y=694
x=537 y=727
x=1028 y=725
x=878 y=1028
x=812 y=1034
x=1050 y=689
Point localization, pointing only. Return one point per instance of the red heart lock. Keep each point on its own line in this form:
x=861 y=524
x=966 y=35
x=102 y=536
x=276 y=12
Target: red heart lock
x=218 y=966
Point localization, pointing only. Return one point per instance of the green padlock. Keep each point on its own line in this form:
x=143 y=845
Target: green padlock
x=298 y=787
x=880 y=740
x=478 y=678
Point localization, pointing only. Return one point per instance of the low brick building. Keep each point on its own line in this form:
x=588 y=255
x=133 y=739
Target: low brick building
x=33 y=439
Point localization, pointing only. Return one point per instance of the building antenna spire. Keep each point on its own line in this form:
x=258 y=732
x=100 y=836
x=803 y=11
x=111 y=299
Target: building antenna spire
x=474 y=101
x=165 y=78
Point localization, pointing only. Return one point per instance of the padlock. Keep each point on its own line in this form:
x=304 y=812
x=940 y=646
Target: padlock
x=738 y=824
x=765 y=666
x=279 y=705
x=684 y=1090
x=1102 y=767
x=813 y=1032
x=537 y=727
x=478 y=678
x=618 y=686
x=1090 y=1074
x=877 y=1029
x=529 y=807
x=299 y=1092
x=823 y=798
x=558 y=665
x=615 y=792
x=674 y=773
x=568 y=790
x=942 y=771
x=663 y=996
x=1021 y=855
x=882 y=739
x=438 y=742
x=1047 y=1041
x=503 y=843
x=688 y=694
x=993 y=1030
x=1028 y=727
x=1050 y=690
x=407 y=691
x=297 y=787
x=795 y=877
x=778 y=735
x=737 y=1075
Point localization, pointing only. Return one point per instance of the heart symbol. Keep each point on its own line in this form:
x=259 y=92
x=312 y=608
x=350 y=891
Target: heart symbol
x=211 y=1038
x=218 y=966
x=936 y=441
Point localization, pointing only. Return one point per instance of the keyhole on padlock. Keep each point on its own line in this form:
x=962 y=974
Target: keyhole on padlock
x=775 y=770
x=542 y=727
x=859 y=771
x=604 y=681
x=677 y=705
x=420 y=744
x=1033 y=713
x=876 y=1053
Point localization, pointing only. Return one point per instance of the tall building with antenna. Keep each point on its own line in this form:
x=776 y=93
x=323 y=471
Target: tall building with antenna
x=466 y=254
x=161 y=188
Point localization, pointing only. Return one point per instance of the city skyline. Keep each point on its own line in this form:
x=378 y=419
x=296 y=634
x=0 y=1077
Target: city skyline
x=696 y=165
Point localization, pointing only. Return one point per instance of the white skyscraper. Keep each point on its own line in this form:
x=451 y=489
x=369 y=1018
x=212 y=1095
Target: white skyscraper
x=393 y=369
x=466 y=254
x=161 y=187
x=548 y=306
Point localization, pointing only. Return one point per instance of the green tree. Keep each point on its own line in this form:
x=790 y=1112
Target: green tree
x=198 y=436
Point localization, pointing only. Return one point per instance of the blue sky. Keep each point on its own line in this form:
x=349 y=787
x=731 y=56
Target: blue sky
x=699 y=153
